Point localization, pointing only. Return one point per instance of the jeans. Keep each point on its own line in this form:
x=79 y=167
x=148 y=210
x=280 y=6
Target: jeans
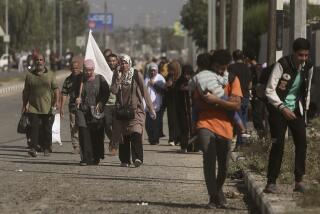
x=215 y=149
x=278 y=128
x=244 y=117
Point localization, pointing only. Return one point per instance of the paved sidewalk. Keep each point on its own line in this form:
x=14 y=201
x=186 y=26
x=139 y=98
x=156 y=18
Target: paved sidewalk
x=167 y=182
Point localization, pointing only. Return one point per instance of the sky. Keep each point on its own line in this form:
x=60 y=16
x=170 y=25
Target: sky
x=127 y=13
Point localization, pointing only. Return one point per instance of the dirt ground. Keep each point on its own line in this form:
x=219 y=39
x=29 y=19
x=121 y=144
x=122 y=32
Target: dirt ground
x=167 y=182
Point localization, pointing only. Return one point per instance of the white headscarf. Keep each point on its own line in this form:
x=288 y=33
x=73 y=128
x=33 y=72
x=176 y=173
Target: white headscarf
x=128 y=78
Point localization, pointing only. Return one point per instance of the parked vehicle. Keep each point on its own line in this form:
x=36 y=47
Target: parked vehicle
x=4 y=62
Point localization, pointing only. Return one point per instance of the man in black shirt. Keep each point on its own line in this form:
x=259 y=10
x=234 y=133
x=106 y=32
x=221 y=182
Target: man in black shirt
x=242 y=71
x=71 y=88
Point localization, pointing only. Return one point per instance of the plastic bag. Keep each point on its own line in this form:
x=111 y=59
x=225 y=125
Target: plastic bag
x=23 y=124
x=56 y=138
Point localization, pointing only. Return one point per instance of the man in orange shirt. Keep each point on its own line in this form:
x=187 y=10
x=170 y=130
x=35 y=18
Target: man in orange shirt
x=215 y=129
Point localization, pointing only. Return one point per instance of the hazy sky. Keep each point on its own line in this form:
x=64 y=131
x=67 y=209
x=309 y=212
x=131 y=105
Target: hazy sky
x=144 y=12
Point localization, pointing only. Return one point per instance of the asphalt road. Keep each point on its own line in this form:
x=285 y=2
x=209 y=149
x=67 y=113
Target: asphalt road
x=167 y=182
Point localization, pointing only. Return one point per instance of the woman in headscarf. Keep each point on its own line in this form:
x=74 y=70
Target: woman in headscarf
x=155 y=84
x=183 y=106
x=128 y=85
x=174 y=72
x=94 y=93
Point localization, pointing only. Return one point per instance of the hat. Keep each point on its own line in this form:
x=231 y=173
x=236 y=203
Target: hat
x=89 y=64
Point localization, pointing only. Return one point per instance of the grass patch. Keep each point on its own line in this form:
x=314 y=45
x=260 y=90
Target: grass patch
x=311 y=197
x=256 y=156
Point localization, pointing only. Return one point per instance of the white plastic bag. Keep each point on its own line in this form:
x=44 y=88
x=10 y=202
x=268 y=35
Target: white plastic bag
x=56 y=130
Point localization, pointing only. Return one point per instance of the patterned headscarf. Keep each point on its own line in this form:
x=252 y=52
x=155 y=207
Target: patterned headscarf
x=128 y=78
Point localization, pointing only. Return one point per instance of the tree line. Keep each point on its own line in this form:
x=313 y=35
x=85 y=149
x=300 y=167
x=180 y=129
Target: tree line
x=255 y=21
x=31 y=23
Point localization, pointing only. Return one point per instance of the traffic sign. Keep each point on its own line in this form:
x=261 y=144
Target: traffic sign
x=80 y=41
x=98 y=21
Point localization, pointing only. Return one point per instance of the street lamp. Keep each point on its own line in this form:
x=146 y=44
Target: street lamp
x=6 y=38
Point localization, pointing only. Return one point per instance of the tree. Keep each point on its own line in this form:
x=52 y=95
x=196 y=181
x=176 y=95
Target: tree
x=254 y=27
x=194 y=18
x=31 y=23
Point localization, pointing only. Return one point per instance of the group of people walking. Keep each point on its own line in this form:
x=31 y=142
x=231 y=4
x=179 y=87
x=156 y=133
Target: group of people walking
x=203 y=109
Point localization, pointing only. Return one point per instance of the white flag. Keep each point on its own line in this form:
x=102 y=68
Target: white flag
x=101 y=66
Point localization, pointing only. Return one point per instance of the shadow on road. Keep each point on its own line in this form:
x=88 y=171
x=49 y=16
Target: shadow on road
x=106 y=177
x=13 y=155
x=12 y=141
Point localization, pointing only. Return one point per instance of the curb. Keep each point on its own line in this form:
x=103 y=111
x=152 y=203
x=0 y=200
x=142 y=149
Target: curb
x=255 y=190
x=256 y=193
x=18 y=87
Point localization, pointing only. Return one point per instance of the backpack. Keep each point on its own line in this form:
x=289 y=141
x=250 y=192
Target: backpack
x=264 y=78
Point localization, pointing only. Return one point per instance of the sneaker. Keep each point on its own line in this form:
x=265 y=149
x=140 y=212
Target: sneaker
x=299 y=187
x=82 y=163
x=46 y=152
x=124 y=165
x=182 y=151
x=171 y=143
x=32 y=153
x=271 y=188
x=245 y=135
x=211 y=205
x=39 y=149
x=219 y=200
x=96 y=162
x=137 y=163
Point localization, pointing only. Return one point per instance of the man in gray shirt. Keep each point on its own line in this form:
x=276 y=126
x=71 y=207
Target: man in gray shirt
x=112 y=61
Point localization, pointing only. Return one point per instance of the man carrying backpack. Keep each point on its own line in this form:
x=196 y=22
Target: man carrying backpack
x=288 y=94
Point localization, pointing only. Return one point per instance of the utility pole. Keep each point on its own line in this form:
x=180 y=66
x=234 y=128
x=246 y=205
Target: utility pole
x=105 y=29
x=222 y=24
x=7 y=30
x=298 y=15
x=212 y=24
x=272 y=32
x=275 y=30
x=279 y=29
x=60 y=28
x=236 y=31
x=54 y=45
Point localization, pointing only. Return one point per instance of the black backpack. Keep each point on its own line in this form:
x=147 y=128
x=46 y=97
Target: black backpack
x=264 y=78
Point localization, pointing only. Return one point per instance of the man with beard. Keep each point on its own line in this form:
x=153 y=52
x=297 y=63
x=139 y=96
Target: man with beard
x=71 y=88
x=40 y=98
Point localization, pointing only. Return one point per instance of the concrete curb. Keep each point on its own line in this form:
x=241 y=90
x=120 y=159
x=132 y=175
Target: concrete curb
x=18 y=87
x=256 y=192
x=255 y=189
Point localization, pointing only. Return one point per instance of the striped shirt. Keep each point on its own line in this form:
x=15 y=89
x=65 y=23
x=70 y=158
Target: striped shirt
x=209 y=81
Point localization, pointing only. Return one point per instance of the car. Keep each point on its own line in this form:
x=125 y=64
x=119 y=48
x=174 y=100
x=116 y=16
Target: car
x=4 y=62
